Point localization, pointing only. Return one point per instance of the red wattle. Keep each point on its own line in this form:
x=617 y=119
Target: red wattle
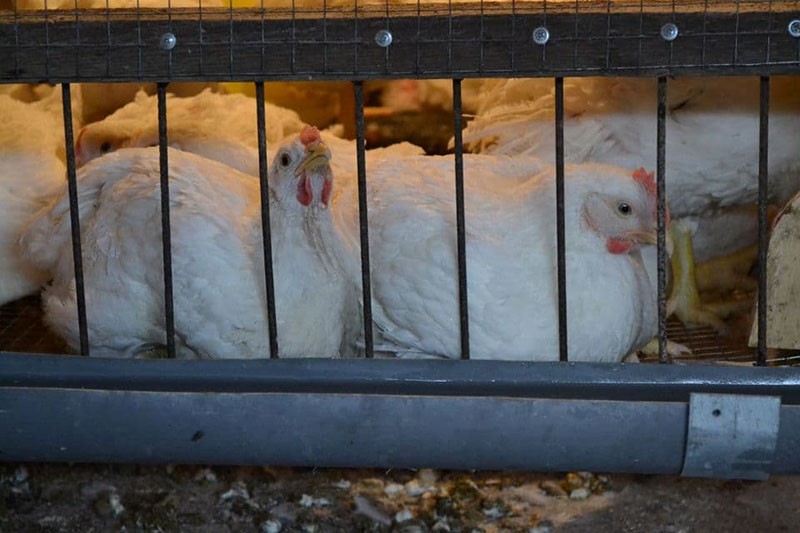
x=304 y=194
x=618 y=246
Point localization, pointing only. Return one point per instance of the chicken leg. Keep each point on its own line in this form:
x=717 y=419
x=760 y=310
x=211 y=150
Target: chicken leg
x=685 y=297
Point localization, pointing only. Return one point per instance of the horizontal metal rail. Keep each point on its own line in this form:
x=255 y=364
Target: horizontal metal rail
x=251 y=45
x=584 y=381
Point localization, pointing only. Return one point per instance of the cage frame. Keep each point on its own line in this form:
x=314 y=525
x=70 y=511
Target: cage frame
x=634 y=418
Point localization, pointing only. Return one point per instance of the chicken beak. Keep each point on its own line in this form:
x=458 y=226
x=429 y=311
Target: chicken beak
x=644 y=237
x=316 y=157
x=651 y=238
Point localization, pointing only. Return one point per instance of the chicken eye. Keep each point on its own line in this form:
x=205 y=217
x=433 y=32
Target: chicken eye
x=624 y=209
x=105 y=147
x=285 y=160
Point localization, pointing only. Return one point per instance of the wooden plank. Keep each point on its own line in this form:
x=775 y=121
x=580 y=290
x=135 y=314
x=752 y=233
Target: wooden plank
x=253 y=45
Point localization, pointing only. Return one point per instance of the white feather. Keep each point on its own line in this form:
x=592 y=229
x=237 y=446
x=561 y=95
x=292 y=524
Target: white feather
x=218 y=126
x=711 y=137
x=31 y=169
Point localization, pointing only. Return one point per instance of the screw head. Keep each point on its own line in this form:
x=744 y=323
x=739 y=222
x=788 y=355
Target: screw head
x=794 y=28
x=541 y=35
x=669 y=31
x=383 y=38
x=168 y=41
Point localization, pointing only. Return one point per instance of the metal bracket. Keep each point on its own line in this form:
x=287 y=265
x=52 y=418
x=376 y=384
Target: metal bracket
x=731 y=436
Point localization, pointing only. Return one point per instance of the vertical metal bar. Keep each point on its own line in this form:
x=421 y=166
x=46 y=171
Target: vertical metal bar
x=563 y=354
x=266 y=232
x=74 y=217
x=763 y=184
x=358 y=91
x=463 y=302
x=166 y=236
x=661 y=137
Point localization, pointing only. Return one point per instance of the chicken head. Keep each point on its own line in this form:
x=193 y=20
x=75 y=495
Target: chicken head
x=625 y=215
x=301 y=168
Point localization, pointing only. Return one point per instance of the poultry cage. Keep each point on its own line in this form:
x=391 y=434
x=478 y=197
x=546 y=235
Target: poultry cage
x=713 y=420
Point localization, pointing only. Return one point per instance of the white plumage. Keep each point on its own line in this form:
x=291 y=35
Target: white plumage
x=220 y=306
x=31 y=168
x=712 y=132
x=510 y=232
x=194 y=126
x=219 y=126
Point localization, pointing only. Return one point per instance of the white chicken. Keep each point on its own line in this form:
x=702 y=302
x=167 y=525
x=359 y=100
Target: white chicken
x=32 y=167
x=195 y=124
x=510 y=238
x=711 y=147
x=217 y=257
x=194 y=127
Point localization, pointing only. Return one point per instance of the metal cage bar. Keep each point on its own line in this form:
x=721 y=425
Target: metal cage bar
x=75 y=219
x=561 y=246
x=461 y=239
x=166 y=235
x=266 y=233
x=763 y=190
x=661 y=139
x=363 y=219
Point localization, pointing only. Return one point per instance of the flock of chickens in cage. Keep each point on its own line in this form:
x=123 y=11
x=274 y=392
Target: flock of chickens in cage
x=217 y=251
x=712 y=136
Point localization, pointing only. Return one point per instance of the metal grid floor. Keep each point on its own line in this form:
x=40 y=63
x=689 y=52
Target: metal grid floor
x=22 y=329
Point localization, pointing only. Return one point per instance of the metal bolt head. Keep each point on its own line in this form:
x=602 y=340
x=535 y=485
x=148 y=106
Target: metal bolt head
x=669 y=31
x=794 y=28
x=168 y=41
x=383 y=38
x=541 y=35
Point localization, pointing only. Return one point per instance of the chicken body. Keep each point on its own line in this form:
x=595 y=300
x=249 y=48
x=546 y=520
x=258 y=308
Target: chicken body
x=219 y=126
x=711 y=132
x=217 y=257
x=511 y=243
x=31 y=169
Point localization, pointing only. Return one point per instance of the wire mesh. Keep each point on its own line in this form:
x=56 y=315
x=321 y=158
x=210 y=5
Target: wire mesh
x=447 y=40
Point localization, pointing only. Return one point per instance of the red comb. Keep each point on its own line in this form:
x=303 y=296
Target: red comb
x=647 y=180
x=309 y=136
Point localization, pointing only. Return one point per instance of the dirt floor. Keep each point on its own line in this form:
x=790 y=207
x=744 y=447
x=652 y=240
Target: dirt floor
x=89 y=498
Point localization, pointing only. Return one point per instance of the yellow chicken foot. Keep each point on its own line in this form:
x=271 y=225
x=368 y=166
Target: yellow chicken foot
x=674 y=349
x=685 y=296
